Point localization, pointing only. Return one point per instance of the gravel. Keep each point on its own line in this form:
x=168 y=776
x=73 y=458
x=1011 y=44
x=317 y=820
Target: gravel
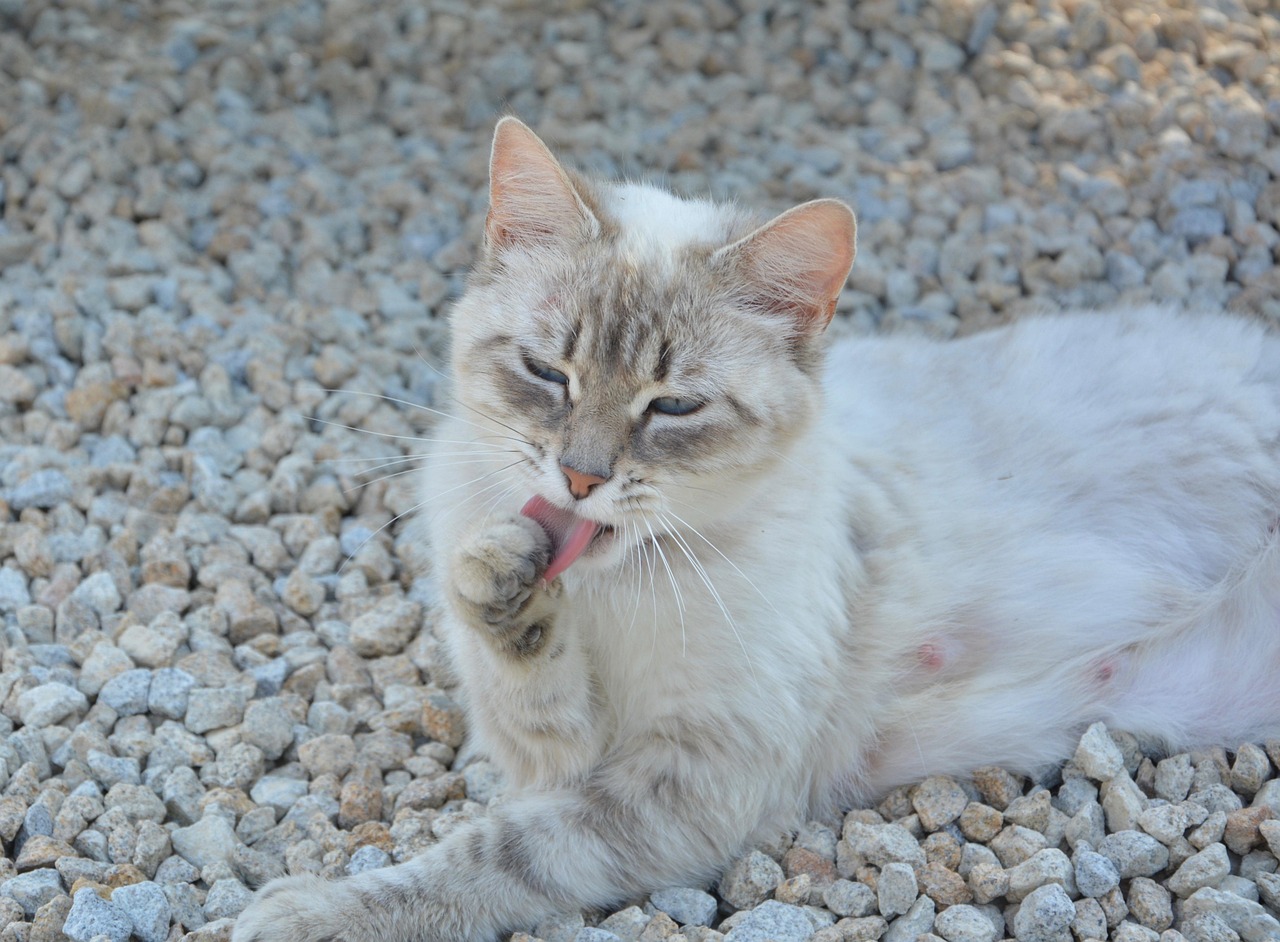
x=227 y=230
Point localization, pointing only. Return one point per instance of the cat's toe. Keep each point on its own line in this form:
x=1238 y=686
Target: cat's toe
x=304 y=909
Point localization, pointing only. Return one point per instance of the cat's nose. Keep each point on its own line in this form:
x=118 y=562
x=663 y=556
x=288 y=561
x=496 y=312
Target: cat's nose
x=580 y=483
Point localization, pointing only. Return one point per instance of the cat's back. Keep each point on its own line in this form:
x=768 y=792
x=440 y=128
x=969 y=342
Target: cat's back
x=1133 y=428
x=1069 y=375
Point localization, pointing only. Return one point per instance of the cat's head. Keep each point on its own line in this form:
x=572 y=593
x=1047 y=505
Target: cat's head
x=656 y=357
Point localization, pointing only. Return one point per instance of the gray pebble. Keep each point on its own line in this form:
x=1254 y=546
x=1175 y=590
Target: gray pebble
x=772 y=921
x=227 y=899
x=210 y=840
x=13 y=590
x=368 y=858
x=127 y=693
x=1134 y=854
x=963 y=923
x=1045 y=916
x=33 y=889
x=686 y=906
x=44 y=489
x=147 y=908
x=92 y=917
x=749 y=880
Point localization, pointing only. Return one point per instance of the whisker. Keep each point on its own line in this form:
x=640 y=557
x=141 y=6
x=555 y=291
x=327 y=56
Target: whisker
x=747 y=579
x=439 y=412
x=715 y=594
x=421 y=504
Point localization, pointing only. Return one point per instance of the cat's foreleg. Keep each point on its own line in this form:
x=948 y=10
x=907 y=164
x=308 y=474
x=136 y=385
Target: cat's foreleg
x=669 y=810
x=528 y=681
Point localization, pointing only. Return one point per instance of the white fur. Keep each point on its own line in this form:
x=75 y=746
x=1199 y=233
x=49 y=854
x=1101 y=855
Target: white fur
x=970 y=552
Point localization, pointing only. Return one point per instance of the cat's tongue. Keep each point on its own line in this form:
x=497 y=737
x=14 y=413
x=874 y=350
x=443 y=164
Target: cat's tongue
x=569 y=533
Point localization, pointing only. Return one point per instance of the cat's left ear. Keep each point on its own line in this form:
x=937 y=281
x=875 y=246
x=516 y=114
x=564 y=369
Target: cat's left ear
x=797 y=264
x=532 y=201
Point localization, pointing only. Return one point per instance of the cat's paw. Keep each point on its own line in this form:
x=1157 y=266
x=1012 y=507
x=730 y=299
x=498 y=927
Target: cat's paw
x=496 y=576
x=305 y=909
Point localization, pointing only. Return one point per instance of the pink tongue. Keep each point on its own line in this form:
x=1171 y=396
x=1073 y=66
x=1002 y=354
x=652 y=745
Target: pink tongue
x=569 y=533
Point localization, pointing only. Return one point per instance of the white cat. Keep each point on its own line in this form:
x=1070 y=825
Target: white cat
x=778 y=591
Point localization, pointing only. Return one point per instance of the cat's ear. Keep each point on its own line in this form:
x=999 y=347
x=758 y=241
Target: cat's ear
x=797 y=263
x=532 y=201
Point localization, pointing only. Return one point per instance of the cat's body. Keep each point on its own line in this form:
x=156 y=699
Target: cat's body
x=958 y=554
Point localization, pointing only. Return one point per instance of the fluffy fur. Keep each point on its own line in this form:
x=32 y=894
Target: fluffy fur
x=931 y=557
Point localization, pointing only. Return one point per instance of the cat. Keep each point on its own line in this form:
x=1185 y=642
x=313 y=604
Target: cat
x=786 y=581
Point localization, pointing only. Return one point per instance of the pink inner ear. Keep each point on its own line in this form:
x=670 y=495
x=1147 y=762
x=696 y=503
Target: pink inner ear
x=531 y=200
x=799 y=262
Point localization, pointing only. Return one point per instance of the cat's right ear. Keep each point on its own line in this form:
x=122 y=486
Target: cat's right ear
x=532 y=201
x=797 y=264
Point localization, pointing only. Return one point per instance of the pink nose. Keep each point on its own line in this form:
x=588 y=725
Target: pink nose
x=580 y=484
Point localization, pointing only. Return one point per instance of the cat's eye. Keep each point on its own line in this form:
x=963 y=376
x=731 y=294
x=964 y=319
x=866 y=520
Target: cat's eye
x=542 y=371
x=673 y=405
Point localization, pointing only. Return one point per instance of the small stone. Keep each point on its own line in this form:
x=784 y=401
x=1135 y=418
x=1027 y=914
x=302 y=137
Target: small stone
x=938 y=800
x=1173 y=777
x=1207 y=868
x=772 y=922
x=689 y=907
x=979 y=822
x=169 y=693
x=896 y=889
x=1241 y=833
x=227 y=899
x=965 y=924
x=387 y=628
x=111 y=770
x=911 y=924
x=846 y=898
x=1134 y=854
x=368 y=857
x=1250 y=769
x=749 y=880
x=147 y=908
x=1090 y=921
x=45 y=489
x=268 y=725
x=1097 y=754
x=126 y=693
x=40 y=851
x=1132 y=932
x=1015 y=844
x=49 y=704
x=32 y=890
x=1095 y=874
x=1210 y=832
x=1045 y=916
x=988 y=882
x=328 y=754
x=1042 y=868
x=595 y=934
x=210 y=840
x=214 y=708
x=13 y=590
x=1150 y=903
x=92 y=917
x=884 y=844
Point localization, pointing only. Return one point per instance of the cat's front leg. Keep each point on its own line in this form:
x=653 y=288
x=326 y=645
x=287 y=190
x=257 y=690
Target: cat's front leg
x=527 y=677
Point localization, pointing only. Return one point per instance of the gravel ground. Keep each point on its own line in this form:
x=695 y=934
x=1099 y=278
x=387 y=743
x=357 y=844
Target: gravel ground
x=215 y=215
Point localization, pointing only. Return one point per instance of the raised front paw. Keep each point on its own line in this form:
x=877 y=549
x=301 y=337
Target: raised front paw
x=496 y=578
x=306 y=909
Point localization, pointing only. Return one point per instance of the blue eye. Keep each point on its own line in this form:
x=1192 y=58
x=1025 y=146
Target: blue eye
x=672 y=405
x=545 y=372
